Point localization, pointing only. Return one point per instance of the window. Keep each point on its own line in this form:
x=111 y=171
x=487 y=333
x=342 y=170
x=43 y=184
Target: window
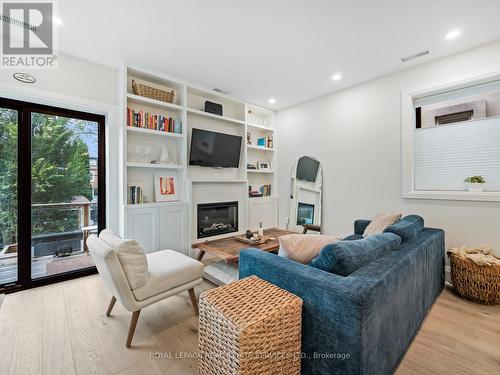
x=451 y=133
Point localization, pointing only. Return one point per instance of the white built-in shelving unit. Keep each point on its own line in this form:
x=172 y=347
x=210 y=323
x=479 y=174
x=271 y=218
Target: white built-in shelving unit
x=159 y=225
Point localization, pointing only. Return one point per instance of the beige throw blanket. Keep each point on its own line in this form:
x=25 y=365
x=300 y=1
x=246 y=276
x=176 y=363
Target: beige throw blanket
x=482 y=255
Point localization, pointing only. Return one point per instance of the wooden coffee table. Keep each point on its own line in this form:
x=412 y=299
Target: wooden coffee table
x=228 y=249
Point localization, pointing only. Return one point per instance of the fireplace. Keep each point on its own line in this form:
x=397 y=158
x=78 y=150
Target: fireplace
x=217 y=218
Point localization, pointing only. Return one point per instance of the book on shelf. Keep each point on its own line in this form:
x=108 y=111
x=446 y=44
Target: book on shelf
x=135 y=195
x=146 y=120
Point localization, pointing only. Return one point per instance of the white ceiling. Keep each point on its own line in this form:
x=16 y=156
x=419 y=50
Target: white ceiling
x=286 y=49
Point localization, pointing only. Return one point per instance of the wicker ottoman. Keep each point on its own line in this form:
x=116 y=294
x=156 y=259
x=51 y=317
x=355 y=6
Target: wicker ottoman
x=249 y=327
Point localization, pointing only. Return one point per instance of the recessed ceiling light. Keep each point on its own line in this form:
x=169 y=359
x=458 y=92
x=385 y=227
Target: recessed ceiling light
x=271 y=101
x=453 y=34
x=337 y=77
x=57 y=21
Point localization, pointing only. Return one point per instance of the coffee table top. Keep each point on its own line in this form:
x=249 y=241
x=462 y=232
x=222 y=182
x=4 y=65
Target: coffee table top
x=229 y=248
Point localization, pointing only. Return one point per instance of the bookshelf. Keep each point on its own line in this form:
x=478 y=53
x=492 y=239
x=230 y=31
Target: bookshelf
x=142 y=144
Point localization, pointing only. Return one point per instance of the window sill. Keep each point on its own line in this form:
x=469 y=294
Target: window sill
x=486 y=196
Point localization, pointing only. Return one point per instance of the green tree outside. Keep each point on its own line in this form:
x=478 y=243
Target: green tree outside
x=60 y=172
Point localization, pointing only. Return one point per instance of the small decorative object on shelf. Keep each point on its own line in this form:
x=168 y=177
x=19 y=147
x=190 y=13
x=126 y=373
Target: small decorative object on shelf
x=249 y=138
x=166 y=187
x=135 y=195
x=168 y=155
x=214 y=108
x=153 y=92
x=151 y=121
x=264 y=166
x=475 y=183
x=475 y=274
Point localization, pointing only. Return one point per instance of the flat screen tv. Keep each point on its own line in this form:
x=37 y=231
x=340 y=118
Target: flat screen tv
x=211 y=149
x=307 y=169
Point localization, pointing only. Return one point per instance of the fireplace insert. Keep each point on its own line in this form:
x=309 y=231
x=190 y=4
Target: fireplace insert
x=217 y=218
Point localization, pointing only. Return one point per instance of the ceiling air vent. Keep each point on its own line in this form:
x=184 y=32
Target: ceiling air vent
x=417 y=55
x=220 y=91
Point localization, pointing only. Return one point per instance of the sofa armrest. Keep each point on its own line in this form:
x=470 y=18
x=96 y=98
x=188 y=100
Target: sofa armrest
x=332 y=310
x=360 y=226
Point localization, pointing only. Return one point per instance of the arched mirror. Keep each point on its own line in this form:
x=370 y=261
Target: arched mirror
x=306 y=194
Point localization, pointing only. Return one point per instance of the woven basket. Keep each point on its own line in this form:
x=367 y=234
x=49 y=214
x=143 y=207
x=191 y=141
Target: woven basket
x=479 y=284
x=249 y=327
x=152 y=93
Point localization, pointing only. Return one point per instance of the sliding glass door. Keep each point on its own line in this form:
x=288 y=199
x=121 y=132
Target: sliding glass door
x=58 y=179
x=8 y=194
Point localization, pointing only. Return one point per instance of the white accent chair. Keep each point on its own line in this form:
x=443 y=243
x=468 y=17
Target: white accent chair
x=137 y=279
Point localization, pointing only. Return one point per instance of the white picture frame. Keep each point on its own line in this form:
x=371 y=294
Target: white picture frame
x=166 y=186
x=264 y=165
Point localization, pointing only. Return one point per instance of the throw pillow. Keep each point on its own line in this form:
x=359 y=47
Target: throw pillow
x=345 y=257
x=303 y=248
x=407 y=228
x=134 y=263
x=380 y=222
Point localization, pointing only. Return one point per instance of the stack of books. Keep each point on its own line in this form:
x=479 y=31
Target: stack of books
x=265 y=142
x=266 y=190
x=135 y=195
x=151 y=121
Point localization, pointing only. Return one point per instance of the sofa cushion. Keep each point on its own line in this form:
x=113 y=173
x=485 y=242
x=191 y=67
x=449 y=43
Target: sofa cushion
x=407 y=228
x=134 y=263
x=345 y=257
x=353 y=237
x=168 y=269
x=381 y=222
x=303 y=248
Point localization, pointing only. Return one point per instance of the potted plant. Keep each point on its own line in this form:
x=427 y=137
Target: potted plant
x=475 y=183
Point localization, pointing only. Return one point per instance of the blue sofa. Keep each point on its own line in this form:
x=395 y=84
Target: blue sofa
x=362 y=323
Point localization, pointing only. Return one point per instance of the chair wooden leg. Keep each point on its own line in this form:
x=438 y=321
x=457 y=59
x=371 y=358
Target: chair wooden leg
x=131 y=328
x=194 y=301
x=111 y=304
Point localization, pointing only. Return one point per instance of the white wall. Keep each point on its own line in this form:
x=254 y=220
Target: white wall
x=356 y=134
x=85 y=86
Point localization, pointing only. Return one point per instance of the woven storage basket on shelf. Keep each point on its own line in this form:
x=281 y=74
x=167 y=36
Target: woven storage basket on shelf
x=152 y=93
x=476 y=283
x=249 y=327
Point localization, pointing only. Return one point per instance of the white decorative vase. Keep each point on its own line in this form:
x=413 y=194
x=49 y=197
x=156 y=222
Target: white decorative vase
x=475 y=187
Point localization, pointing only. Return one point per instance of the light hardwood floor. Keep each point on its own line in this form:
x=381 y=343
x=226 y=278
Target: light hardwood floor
x=62 y=329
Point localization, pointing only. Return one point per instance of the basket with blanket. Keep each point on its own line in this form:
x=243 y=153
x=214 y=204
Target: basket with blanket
x=475 y=274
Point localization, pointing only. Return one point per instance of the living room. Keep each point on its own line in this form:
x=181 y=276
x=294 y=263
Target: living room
x=250 y=187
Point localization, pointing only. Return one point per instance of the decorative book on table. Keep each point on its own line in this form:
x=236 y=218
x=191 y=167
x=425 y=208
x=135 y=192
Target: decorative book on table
x=152 y=121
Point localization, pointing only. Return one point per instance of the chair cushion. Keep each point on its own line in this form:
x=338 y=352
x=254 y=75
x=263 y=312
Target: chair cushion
x=168 y=269
x=134 y=263
x=380 y=222
x=131 y=257
x=345 y=257
x=108 y=236
x=407 y=228
x=303 y=248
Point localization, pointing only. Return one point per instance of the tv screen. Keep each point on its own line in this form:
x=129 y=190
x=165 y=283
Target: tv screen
x=211 y=149
x=307 y=169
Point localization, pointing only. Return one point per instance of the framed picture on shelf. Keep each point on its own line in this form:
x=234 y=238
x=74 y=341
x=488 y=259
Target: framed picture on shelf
x=166 y=188
x=264 y=166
